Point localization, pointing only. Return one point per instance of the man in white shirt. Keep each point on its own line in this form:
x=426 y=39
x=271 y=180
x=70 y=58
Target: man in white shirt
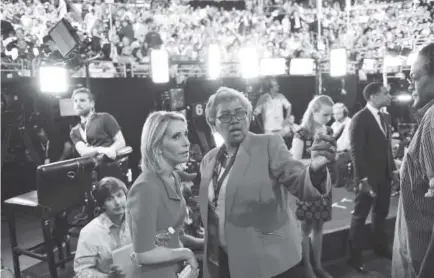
x=342 y=135
x=274 y=108
x=341 y=126
x=105 y=233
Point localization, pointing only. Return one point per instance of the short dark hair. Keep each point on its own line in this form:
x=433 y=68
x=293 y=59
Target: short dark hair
x=83 y=90
x=105 y=188
x=372 y=88
x=427 y=52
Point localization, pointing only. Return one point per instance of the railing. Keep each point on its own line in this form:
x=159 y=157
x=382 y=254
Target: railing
x=107 y=69
x=184 y=69
x=418 y=43
x=15 y=69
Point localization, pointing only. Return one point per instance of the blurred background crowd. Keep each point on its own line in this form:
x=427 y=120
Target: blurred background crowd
x=125 y=32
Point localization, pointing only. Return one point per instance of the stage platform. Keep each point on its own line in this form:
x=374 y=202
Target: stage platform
x=334 y=251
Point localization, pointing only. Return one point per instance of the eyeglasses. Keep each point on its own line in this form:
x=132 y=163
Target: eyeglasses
x=227 y=118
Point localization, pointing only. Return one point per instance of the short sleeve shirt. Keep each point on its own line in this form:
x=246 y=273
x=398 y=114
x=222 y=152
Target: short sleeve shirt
x=307 y=139
x=99 y=132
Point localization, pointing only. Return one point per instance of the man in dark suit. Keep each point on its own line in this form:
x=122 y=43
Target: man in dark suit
x=370 y=137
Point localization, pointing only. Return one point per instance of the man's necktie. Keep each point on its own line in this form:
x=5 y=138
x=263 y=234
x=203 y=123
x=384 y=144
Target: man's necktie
x=383 y=122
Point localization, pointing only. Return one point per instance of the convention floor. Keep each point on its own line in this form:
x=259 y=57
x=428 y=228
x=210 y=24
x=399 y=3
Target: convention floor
x=29 y=233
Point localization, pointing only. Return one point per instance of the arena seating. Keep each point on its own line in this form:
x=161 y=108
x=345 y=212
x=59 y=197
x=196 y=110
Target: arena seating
x=123 y=39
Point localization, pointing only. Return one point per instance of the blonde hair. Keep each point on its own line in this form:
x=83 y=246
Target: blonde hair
x=153 y=133
x=315 y=105
x=224 y=94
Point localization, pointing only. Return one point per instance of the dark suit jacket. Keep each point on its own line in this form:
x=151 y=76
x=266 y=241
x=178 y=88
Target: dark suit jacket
x=260 y=230
x=371 y=149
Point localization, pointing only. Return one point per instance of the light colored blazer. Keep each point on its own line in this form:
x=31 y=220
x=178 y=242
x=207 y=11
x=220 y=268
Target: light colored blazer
x=261 y=231
x=153 y=207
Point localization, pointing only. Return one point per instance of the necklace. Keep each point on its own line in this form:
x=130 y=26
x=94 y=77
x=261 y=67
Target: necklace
x=229 y=155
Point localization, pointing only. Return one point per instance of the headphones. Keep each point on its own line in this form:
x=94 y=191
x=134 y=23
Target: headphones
x=342 y=106
x=94 y=195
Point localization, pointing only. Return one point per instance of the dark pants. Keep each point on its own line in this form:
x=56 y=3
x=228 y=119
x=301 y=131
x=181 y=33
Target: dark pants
x=380 y=208
x=343 y=176
x=293 y=272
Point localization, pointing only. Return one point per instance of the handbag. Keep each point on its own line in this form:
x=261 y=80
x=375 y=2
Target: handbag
x=318 y=208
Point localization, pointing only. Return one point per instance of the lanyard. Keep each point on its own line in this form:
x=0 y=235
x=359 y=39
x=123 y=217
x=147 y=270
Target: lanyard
x=83 y=132
x=216 y=181
x=45 y=149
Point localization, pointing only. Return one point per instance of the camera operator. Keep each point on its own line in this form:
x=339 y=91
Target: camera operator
x=97 y=133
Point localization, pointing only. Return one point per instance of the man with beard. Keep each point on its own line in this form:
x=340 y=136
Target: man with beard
x=97 y=133
x=413 y=248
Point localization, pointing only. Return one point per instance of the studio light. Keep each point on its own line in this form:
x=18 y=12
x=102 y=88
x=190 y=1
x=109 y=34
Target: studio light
x=392 y=61
x=338 y=62
x=302 y=67
x=273 y=66
x=53 y=79
x=249 y=62
x=160 y=66
x=404 y=98
x=411 y=58
x=214 y=62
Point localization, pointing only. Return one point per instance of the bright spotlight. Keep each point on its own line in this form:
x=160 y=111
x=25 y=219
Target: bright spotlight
x=273 y=66
x=214 y=59
x=411 y=58
x=302 y=67
x=53 y=79
x=218 y=139
x=392 y=61
x=404 y=98
x=338 y=62
x=249 y=62
x=159 y=66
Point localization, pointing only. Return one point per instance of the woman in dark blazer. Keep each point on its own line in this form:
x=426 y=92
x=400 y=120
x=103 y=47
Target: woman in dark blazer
x=156 y=208
x=250 y=230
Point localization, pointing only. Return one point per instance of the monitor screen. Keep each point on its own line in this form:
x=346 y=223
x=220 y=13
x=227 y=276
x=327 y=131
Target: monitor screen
x=177 y=101
x=302 y=66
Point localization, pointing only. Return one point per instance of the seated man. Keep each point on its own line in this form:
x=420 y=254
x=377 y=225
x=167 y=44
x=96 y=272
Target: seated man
x=109 y=231
x=105 y=233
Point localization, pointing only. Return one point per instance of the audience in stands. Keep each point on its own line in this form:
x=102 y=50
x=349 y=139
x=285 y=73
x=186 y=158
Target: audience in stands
x=124 y=33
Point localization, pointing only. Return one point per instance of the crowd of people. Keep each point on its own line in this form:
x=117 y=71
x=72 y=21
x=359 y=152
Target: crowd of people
x=124 y=33
x=249 y=225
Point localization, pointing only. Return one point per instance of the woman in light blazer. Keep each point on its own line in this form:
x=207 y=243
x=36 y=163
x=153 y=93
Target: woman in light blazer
x=156 y=208
x=244 y=191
